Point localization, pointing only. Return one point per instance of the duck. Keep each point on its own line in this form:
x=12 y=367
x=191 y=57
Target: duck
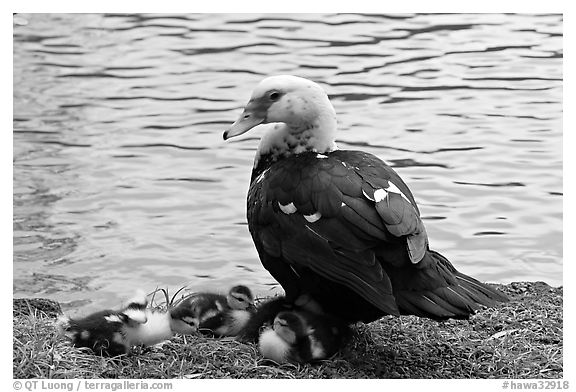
x=216 y=314
x=341 y=226
x=300 y=337
x=114 y=332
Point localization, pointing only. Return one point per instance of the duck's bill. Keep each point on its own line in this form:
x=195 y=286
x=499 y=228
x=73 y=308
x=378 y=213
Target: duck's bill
x=251 y=117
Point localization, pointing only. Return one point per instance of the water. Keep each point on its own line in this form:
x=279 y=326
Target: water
x=122 y=180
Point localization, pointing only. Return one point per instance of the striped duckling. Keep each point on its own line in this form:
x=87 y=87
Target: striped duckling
x=114 y=332
x=301 y=337
x=216 y=314
x=267 y=310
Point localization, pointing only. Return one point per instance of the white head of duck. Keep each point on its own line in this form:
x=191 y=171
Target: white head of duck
x=299 y=111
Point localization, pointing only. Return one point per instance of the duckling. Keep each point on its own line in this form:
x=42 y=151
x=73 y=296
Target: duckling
x=100 y=331
x=327 y=333
x=287 y=341
x=217 y=314
x=147 y=327
x=267 y=310
x=114 y=332
x=301 y=337
x=264 y=314
x=105 y=331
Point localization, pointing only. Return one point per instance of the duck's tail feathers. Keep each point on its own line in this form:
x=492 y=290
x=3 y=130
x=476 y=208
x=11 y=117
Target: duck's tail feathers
x=447 y=292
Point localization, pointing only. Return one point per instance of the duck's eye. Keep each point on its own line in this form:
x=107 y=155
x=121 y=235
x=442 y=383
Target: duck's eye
x=274 y=96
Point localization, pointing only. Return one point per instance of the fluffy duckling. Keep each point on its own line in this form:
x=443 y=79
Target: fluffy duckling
x=267 y=310
x=105 y=331
x=287 y=341
x=264 y=314
x=327 y=333
x=114 y=332
x=100 y=331
x=301 y=337
x=216 y=314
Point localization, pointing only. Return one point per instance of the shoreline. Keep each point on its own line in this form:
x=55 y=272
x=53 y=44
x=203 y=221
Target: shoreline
x=519 y=339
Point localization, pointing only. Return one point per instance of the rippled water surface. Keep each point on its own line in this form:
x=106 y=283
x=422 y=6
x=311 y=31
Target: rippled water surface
x=122 y=180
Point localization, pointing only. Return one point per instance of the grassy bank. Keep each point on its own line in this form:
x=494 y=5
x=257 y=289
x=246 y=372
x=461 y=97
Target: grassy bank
x=519 y=339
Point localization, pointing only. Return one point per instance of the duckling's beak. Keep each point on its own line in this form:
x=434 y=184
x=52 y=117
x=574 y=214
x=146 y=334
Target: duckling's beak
x=254 y=114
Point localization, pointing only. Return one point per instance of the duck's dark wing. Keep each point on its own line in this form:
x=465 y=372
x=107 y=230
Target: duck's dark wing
x=349 y=218
x=319 y=212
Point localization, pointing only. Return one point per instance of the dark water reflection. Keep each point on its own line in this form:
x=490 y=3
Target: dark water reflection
x=121 y=179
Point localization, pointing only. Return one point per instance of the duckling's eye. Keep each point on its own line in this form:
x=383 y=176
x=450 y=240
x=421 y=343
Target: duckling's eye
x=274 y=96
x=190 y=321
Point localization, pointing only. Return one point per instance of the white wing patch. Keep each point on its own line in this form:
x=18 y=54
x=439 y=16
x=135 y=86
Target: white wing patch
x=288 y=208
x=379 y=195
x=393 y=188
x=314 y=217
